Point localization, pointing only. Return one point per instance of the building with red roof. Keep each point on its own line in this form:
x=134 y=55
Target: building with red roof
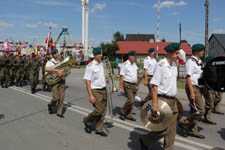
x=141 y=48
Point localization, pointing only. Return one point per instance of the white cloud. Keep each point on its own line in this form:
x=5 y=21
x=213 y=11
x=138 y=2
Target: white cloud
x=52 y=3
x=219 y=31
x=32 y=25
x=54 y=25
x=98 y=6
x=5 y=25
x=175 y=13
x=169 y=4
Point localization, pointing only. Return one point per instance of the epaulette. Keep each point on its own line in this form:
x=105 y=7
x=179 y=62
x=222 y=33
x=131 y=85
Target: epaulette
x=161 y=63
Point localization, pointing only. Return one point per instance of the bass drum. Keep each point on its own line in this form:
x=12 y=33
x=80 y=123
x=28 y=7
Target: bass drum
x=214 y=74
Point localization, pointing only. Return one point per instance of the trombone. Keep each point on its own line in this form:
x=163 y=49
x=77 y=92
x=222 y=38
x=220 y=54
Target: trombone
x=110 y=85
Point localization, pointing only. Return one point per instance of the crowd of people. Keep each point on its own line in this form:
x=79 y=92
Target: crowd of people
x=21 y=70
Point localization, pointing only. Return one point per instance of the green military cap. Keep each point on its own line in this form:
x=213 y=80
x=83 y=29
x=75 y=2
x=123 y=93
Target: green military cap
x=131 y=53
x=198 y=47
x=97 y=51
x=172 y=47
x=151 y=50
x=208 y=58
x=54 y=51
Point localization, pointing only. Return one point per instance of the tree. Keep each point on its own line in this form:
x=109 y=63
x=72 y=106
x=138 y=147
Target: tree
x=183 y=41
x=109 y=49
x=118 y=36
x=163 y=40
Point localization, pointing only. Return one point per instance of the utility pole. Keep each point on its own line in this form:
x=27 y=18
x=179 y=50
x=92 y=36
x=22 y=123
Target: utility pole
x=158 y=17
x=180 y=44
x=180 y=31
x=206 y=28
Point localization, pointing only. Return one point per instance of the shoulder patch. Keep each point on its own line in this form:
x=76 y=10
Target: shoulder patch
x=161 y=63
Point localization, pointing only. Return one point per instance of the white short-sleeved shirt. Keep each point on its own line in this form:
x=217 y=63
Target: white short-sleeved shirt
x=52 y=62
x=149 y=65
x=129 y=71
x=95 y=73
x=165 y=77
x=194 y=70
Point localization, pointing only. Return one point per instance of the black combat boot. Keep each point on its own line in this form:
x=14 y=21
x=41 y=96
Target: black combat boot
x=32 y=90
x=20 y=84
x=6 y=85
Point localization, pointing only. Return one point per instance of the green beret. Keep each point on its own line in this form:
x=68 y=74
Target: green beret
x=208 y=58
x=151 y=50
x=131 y=53
x=198 y=47
x=172 y=47
x=97 y=51
x=54 y=51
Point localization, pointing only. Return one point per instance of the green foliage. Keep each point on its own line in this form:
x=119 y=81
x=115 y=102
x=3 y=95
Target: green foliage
x=118 y=36
x=163 y=40
x=140 y=64
x=113 y=64
x=109 y=49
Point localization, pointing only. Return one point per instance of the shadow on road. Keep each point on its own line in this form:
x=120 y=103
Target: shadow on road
x=134 y=143
x=222 y=133
x=116 y=111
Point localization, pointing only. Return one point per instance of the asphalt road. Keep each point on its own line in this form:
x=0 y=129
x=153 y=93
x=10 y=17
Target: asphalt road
x=28 y=126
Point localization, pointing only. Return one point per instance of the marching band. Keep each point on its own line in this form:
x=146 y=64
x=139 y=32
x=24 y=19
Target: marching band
x=160 y=78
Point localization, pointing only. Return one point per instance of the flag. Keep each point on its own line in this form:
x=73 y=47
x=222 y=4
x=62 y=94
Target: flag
x=7 y=46
x=182 y=57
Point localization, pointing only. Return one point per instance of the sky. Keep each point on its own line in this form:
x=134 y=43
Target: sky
x=28 y=20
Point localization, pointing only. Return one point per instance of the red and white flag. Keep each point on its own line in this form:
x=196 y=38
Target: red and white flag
x=182 y=57
x=7 y=46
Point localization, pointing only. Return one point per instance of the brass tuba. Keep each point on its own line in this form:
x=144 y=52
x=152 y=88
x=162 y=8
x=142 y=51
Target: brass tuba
x=65 y=66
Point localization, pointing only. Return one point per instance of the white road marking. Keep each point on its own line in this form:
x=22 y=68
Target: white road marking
x=119 y=123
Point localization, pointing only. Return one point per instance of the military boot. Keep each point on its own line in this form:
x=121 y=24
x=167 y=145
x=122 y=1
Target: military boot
x=6 y=85
x=32 y=90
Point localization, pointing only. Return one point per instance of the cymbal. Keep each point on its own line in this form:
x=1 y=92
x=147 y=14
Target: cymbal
x=160 y=123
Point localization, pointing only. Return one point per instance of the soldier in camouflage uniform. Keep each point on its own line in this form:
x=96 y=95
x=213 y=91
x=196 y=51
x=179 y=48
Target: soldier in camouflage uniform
x=27 y=68
x=34 y=72
x=17 y=70
x=43 y=63
x=11 y=69
x=4 y=75
x=22 y=69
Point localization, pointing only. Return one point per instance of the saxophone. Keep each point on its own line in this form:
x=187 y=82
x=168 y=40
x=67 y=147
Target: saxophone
x=64 y=66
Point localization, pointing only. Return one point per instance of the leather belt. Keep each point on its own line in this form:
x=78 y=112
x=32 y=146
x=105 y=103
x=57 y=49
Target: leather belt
x=100 y=89
x=130 y=83
x=166 y=96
